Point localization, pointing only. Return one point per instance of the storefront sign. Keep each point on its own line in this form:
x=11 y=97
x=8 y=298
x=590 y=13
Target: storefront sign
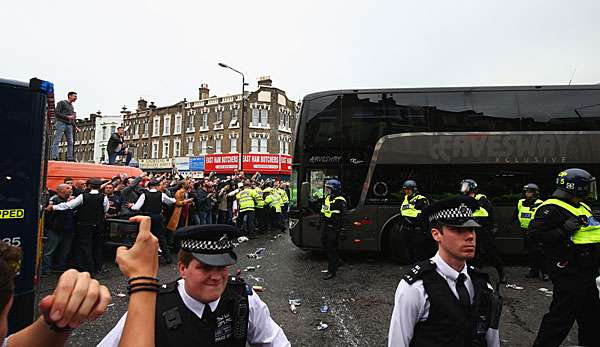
x=285 y=162
x=196 y=163
x=221 y=163
x=263 y=163
x=182 y=163
x=165 y=163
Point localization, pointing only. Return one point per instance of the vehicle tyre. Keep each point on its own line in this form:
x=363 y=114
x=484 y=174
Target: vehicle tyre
x=395 y=245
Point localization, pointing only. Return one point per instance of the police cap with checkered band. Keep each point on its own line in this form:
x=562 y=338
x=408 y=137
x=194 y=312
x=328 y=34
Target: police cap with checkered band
x=210 y=244
x=456 y=212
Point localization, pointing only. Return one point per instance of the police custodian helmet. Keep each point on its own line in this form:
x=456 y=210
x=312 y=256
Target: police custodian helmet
x=409 y=184
x=468 y=186
x=577 y=182
x=334 y=185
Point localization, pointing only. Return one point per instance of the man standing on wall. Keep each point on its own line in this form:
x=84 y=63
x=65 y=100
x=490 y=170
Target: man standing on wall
x=65 y=123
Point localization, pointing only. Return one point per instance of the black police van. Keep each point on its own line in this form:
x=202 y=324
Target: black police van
x=24 y=108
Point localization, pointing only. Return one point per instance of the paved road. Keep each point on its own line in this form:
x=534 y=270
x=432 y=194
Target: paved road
x=361 y=298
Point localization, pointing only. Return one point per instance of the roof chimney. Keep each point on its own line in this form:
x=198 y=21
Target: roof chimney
x=203 y=91
x=142 y=105
x=265 y=81
x=152 y=106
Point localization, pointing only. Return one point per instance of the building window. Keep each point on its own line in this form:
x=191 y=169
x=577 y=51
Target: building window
x=178 y=124
x=260 y=118
x=103 y=133
x=190 y=145
x=156 y=126
x=146 y=129
x=233 y=148
x=145 y=150
x=254 y=145
x=203 y=147
x=219 y=116
x=190 y=123
x=204 y=120
x=218 y=146
x=167 y=126
x=234 y=119
x=154 y=150
x=176 y=148
x=165 y=153
x=263 y=145
x=113 y=129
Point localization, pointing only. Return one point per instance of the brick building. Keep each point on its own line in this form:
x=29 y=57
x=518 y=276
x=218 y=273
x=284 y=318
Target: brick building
x=211 y=125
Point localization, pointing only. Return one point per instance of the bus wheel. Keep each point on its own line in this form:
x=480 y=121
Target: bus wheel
x=395 y=246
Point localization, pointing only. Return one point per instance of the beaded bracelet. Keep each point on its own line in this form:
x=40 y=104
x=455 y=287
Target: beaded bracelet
x=143 y=284
x=142 y=289
x=155 y=279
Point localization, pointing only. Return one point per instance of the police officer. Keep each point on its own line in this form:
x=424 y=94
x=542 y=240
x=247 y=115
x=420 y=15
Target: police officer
x=570 y=234
x=260 y=207
x=523 y=215
x=89 y=221
x=418 y=243
x=273 y=203
x=206 y=306
x=332 y=214
x=247 y=199
x=486 y=240
x=151 y=203
x=285 y=201
x=443 y=301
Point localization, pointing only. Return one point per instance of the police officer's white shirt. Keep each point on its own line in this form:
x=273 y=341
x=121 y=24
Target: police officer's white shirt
x=70 y=205
x=262 y=330
x=411 y=305
x=140 y=201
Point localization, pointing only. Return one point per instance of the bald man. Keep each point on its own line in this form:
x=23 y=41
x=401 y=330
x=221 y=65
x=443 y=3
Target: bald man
x=58 y=232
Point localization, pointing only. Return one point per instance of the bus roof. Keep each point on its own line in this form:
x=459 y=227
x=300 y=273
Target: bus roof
x=58 y=170
x=449 y=89
x=528 y=147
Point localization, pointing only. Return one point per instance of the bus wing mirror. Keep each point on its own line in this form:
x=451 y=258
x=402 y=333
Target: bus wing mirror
x=304 y=194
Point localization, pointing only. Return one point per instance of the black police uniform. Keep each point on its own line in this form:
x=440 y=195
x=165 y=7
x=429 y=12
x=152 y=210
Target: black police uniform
x=419 y=243
x=451 y=319
x=449 y=323
x=88 y=242
x=331 y=226
x=153 y=208
x=177 y=325
x=573 y=274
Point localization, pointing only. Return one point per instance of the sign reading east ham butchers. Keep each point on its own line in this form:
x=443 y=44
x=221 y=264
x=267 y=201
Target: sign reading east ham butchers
x=263 y=163
x=286 y=164
x=221 y=163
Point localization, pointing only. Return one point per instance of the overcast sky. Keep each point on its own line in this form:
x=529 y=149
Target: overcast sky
x=113 y=52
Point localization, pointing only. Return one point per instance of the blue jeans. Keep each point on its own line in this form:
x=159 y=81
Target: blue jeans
x=112 y=157
x=204 y=217
x=61 y=128
x=57 y=248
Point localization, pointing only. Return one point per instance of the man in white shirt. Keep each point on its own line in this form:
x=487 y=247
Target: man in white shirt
x=150 y=203
x=206 y=306
x=89 y=221
x=442 y=301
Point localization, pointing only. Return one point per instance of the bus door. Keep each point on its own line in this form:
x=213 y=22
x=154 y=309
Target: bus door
x=313 y=190
x=23 y=134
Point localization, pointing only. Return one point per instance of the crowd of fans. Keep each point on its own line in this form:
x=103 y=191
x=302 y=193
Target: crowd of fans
x=78 y=214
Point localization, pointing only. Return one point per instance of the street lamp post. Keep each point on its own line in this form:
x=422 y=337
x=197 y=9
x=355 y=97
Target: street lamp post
x=243 y=113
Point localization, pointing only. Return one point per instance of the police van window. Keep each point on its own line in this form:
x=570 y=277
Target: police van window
x=368 y=117
x=322 y=131
x=557 y=109
x=495 y=110
x=450 y=111
x=385 y=186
